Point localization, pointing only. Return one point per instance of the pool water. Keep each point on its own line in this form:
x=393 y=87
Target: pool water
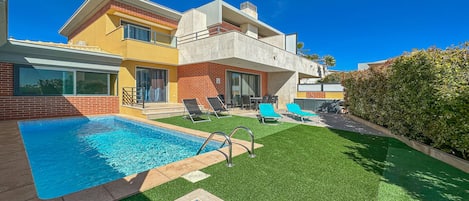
x=72 y=154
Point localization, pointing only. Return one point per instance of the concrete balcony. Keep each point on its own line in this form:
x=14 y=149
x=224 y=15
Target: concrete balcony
x=151 y=47
x=237 y=49
x=148 y=52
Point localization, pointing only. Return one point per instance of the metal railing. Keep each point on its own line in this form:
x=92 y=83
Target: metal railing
x=215 y=30
x=229 y=156
x=133 y=96
x=147 y=35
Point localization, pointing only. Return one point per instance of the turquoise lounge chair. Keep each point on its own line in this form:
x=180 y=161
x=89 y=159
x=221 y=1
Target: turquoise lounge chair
x=266 y=111
x=295 y=109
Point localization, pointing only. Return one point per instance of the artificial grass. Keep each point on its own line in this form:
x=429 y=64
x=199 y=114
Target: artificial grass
x=312 y=163
x=227 y=124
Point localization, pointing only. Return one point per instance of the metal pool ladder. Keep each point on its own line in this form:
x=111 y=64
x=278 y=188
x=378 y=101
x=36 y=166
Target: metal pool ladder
x=229 y=159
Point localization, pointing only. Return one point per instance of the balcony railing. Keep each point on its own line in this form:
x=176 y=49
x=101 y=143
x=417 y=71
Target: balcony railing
x=202 y=34
x=148 y=35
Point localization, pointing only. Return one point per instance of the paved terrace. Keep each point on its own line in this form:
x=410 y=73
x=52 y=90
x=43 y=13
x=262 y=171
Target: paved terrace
x=330 y=120
x=17 y=182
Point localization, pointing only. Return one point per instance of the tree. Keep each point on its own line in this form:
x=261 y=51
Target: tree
x=300 y=49
x=329 y=61
x=326 y=61
x=312 y=57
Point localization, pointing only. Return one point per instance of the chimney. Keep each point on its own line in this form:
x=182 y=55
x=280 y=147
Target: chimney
x=249 y=8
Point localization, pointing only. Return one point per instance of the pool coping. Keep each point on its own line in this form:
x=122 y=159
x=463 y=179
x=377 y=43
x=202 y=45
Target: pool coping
x=19 y=184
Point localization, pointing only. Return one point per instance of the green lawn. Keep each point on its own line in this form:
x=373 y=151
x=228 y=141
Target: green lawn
x=300 y=162
x=227 y=124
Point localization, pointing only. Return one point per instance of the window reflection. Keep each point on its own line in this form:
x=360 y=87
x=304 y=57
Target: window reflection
x=92 y=83
x=44 y=82
x=33 y=81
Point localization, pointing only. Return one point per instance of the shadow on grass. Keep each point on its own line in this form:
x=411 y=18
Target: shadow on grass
x=405 y=169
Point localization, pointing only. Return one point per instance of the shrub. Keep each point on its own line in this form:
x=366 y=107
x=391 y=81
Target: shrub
x=423 y=95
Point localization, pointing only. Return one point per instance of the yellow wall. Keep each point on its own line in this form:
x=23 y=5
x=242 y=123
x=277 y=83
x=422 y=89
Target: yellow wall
x=335 y=95
x=132 y=112
x=149 y=52
x=107 y=34
x=127 y=77
x=301 y=94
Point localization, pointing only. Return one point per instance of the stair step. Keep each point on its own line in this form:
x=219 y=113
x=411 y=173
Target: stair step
x=157 y=115
x=168 y=109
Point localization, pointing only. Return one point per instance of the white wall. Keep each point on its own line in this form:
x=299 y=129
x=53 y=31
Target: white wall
x=291 y=41
x=238 y=45
x=283 y=85
x=250 y=30
x=277 y=41
x=192 y=22
x=213 y=12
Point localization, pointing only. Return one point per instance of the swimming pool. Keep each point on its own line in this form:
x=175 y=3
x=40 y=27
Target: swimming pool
x=71 y=154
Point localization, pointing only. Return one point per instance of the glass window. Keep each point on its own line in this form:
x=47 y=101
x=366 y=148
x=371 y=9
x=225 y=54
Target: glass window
x=31 y=81
x=92 y=83
x=240 y=84
x=34 y=81
x=136 y=32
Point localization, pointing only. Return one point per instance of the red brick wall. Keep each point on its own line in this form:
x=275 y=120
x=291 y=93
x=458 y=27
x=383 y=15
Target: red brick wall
x=316 y=94
x=144 y=14
x=199 y=80
x=124 y=8
x=229 y=26
x=6 y=79
x=28 y=107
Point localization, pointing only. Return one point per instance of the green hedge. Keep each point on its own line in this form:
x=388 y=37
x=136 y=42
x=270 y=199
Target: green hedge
x=423 y=95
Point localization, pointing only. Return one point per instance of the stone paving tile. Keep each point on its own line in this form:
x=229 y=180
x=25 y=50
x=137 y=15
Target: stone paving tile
x=330 y=120
x=135 y=183
x=176 y=169
x=6 y=156
x=199 y=195
x=13 y=178
x=55 y=199
x=92 y=194
x=27 y=192
x=210 y=158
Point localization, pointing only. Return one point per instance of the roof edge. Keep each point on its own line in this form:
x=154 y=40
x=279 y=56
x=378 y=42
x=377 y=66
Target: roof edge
x=64 y=49
x=231 y=7
x=90 y=7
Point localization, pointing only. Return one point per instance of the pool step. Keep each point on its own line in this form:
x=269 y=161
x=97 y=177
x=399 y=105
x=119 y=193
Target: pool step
x=163 y=110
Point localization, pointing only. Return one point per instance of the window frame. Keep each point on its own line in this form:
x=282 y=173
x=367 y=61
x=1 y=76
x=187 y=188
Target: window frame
x=16 y=80
x=124 y=23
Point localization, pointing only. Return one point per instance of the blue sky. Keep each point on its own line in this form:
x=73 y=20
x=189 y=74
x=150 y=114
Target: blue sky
x=351 y=31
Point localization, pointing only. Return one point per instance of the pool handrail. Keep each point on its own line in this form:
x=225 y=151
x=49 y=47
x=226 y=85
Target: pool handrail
x=251 y=135
x=229 y=158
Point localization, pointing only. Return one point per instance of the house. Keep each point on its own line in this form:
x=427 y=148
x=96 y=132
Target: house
x=142 y=33
x=210 y=50
x=154 y=55
x=364 y=66
x=40 y=79
x=229 y=51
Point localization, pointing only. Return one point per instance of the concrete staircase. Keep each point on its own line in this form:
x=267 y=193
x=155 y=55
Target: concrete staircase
x=162 y=110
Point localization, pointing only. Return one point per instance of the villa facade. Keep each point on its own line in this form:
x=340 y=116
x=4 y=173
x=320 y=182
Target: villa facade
x=153 y=54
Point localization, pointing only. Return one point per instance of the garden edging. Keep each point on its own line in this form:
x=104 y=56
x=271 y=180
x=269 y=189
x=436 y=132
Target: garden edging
x=435 y=153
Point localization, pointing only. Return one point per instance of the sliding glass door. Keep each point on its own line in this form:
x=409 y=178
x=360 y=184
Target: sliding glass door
x=155 y=83
x=242 y=84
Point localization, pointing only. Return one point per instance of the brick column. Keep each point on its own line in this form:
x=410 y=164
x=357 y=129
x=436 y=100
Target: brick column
x=6 y=79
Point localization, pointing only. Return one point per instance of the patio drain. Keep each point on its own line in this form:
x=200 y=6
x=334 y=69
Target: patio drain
x=195 y=176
